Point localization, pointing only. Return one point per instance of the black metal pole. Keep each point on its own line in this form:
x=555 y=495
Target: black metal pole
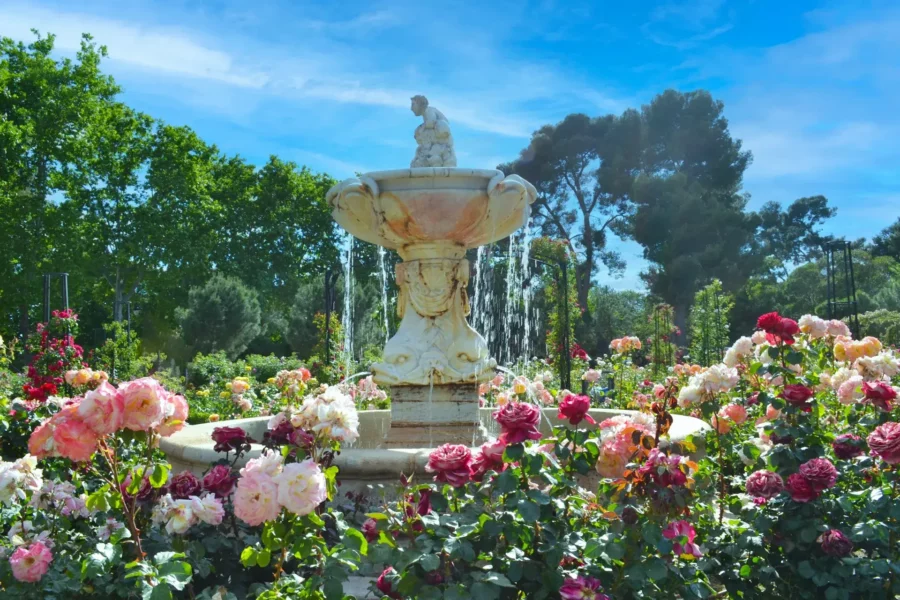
x=854 y=306
x=46 y=298
x=128 y=308
x=65 y=290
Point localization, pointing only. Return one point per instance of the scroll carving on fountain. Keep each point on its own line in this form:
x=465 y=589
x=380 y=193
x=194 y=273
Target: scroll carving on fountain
x=431 y=214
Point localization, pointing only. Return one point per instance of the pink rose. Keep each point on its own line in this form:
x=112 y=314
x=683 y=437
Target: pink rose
x=489 y=458
x=800 y=489
x=735 y=412
x=591 y=376
x=72 y=436
x=103 y=409
x=255 y=499
x=683 y=534
x=370 y=530
x=301 y=487
x=518 y=422
x=176 y=415
x=772 y=413
x=581 y=588
x=880 y=394
x=145 y=403
x=764 y=484
x=575 y=409
x=884 y=442
x=820 y=473
x=451 y=463
x=721 y=424
x=30 y=563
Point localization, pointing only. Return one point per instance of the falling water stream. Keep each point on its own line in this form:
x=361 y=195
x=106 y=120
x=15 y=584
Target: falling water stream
x=384 y=293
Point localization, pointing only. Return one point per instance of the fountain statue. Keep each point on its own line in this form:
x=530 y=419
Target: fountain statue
x=431 y=214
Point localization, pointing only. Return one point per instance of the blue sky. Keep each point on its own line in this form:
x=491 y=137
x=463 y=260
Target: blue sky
x=810 y=87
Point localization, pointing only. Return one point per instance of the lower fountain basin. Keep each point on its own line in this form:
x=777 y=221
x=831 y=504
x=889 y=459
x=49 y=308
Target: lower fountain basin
x=365 y=463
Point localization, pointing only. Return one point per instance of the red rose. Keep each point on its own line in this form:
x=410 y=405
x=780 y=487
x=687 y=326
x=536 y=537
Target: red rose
x=800 y=489
x=370 y=530
x=184 y=485
x=880 y=394
x=835 y=543
x=278 y=436
x=575 y=409
x=884 y=442
x=424 y=505
x=798 y=395
x=231 y=439
x=820 y=473
x=451 y=463
x=764 y=484
x=220 y=481
x=518 y=422
x=847 y=446
x=769 y=322
x=386 y=581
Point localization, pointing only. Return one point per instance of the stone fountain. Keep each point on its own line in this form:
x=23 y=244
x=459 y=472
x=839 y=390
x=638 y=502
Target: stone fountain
x=430 y=214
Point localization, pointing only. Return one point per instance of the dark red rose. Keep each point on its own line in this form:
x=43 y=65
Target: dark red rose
x=575 y=409
x=434 y=578
x=184 y=485
x=847 y=446
x=798 y=395
x=820 y=473
x=386 y=583
x=781 y=439
x=424 y=506
x=219 y=481
x=518 y=422
x=800 y=489
x=370 y=530
x=451 y=463
x=880 y=394
x=231 y=439
x=764 y=484
x=144 y=493
x=753 y=399
x=835 y=543
x=279 y=436
x=301 y=438
x=629 y=515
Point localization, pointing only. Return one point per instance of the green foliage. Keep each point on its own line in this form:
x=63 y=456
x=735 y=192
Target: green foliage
x=887 y=243
x=223 y=315
x=263 y=368
x=710 y=335
x=214 y=368
x=883 y=324
x=559 y=315
x=120 y=355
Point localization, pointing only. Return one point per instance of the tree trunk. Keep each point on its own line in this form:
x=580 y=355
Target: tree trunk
x=117 y=303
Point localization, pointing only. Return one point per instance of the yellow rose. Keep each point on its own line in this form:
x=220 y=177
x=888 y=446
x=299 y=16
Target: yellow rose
x=224 y=394
x=213 y=418
x=82 y=377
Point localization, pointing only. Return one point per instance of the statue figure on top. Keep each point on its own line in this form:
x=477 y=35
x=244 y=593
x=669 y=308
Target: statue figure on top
x=435 y=143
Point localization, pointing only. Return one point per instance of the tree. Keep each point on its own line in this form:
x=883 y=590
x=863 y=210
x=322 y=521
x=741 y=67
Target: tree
x=709 y=324
x=223 y=315
x=614 y=314
x=791 y=236
x=45 y=108
x=578 y=167
x=689 y=213
x=887 y=243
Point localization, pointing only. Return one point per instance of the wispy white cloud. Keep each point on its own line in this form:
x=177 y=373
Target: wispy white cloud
x=165 y=50
x=687 y=24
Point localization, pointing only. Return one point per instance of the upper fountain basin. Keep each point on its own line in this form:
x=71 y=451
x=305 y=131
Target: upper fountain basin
x=415 y=210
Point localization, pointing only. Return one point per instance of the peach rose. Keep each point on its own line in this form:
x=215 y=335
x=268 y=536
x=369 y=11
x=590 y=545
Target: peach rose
x=735 y=412
x=73 y=437
x=176 y=415
x=41 y=443
x=145 y=403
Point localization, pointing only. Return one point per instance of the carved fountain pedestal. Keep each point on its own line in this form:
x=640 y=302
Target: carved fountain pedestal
x=431 y=216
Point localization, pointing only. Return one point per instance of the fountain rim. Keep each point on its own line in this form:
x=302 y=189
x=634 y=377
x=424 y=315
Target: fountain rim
x=431 y=172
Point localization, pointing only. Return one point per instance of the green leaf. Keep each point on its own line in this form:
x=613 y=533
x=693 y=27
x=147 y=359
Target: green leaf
x=485 y=591
x=793 y=358
x=263 y=557
x=377 y=516
x=354 y=538
x=806 y=570
x=248 y=556
x=745 y=571
x=334 y=589
x=160 y=475
x=498 y=579
x=656 y=569
x=529 y=510
x=430 y=562
x=513 y=453
x=160 y=592
x=514 y=572
x=98 y=501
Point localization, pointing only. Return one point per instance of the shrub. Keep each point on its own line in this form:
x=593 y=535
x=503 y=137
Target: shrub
x=263 y=368
x=207 y=369
x=223 y=315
